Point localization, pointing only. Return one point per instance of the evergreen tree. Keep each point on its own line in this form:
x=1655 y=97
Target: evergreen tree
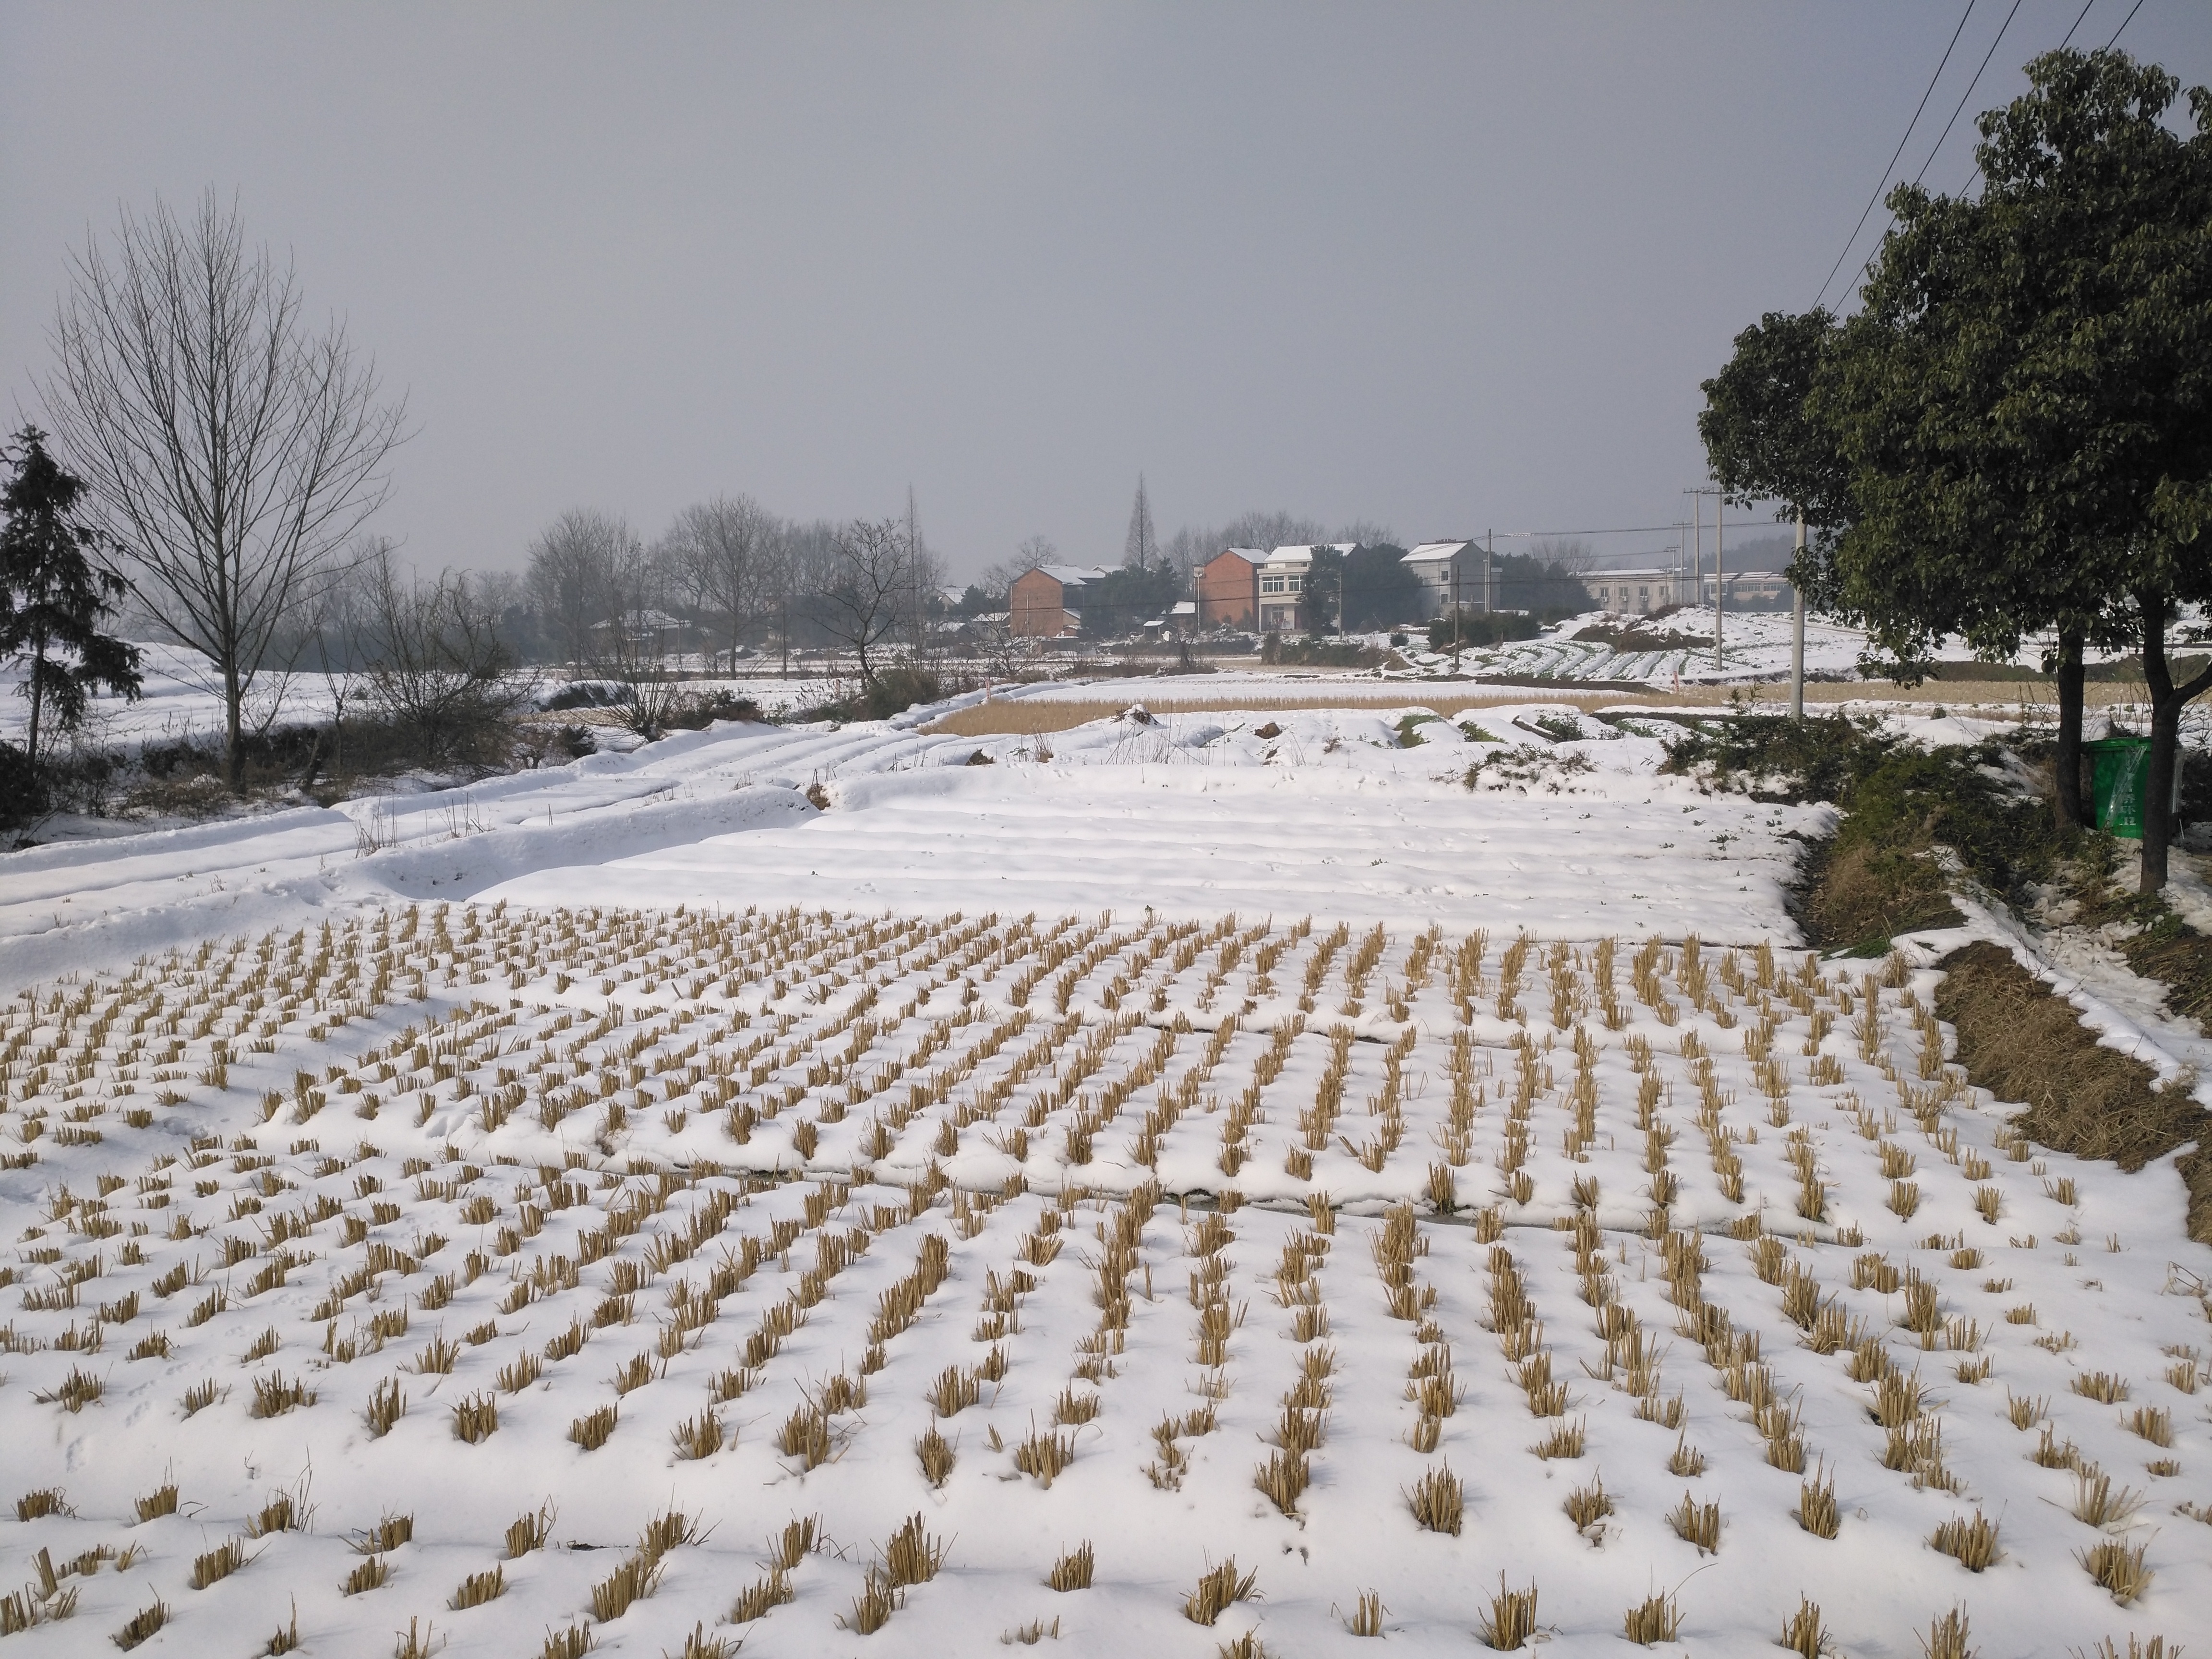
x=52 y=596
x=1141 y=550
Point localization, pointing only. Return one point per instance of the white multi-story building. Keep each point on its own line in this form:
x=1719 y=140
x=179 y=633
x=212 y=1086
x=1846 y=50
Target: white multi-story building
x=1637 y=592
x=1451 y=576
x=1283 y=590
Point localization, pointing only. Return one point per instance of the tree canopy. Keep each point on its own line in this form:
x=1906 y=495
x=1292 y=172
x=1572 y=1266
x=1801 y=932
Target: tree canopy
x=2010 y=438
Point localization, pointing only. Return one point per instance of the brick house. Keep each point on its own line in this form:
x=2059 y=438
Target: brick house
x=1047 y=603
x=1228 y=589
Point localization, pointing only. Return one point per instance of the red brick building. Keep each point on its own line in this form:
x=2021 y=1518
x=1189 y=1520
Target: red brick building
x=1047 y=603
x=1228 y=589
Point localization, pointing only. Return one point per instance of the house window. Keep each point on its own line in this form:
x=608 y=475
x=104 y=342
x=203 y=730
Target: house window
x=1297 y=584
x=1271 y=584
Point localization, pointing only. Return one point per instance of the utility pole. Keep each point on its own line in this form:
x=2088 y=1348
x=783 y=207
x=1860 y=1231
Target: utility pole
x=1720 y=575
x=913 y=572
x=1457 y=622
x=1488 y=575
x=1697 y=544
x=1797 y=632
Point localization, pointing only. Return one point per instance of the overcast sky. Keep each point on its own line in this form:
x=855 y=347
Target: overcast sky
x=1443 y=267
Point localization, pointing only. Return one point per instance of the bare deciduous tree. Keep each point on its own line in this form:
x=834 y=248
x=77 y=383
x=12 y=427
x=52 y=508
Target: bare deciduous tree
x=231 y=451
x=639 y=645
x=871 y=588
x=723 y=551
x=575 y=567
x=438 y=670
x=1569 y=555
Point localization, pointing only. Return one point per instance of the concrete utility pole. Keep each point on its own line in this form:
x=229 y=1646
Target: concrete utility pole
x=1697 y=544
x=1720 y=576
x=1457 y=623
x=1797 y=633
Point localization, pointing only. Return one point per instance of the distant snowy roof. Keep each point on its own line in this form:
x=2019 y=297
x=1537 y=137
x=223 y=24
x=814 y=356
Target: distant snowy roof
x=1432 y=552
x=1298 y=558
x=1074 y=576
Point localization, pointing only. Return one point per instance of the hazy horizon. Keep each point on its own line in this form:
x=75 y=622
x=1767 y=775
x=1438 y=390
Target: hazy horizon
x=1444 y=270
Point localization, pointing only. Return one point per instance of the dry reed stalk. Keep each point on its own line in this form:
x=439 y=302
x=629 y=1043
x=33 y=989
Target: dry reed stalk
x=1697 y=1523
x=757 y=1599
x=1974 y=1543
x=592 y=1431
x=1656 y=1619
x=1511 y=1619
x=1566 y=1440
x=1947 y=1637
x=1802 y=1632
x=388 y=1534
x=1367 y=1614
x=2118 y=1568
x=528 y=1532
x=1218 y=1590
x=1283 y=1478
x=479 y=1588
x=1587 y=1505
x=1073 y=1571
x=935 y=1453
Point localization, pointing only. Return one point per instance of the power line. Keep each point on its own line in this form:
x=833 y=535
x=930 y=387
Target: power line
x=2078 y=22
x=2109 y=45
x=1901 y=142
x=1619 y=530
x=1969 y=93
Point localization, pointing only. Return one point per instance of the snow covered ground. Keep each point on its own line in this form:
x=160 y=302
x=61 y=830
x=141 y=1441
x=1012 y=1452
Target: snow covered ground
x=1292 y=1123
x=1195 y=815
x=181 y=700
x=1754 y=644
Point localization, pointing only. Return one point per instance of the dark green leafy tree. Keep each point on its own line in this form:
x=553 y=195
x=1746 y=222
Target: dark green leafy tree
x=1324 y=590
x=2022 y=400
x=1765 y=443
x=52 y=597
x=1379 y=592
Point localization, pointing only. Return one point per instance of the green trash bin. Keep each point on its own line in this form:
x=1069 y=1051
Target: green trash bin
x=2119 y=773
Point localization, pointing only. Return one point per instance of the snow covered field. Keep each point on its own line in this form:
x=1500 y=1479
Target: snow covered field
x=181 y=700
x=634 y=1139
x=1754 y=644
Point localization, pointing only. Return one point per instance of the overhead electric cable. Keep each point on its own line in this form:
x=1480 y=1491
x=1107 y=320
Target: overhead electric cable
x=2109 y=45
x=1901 y=144
x=1969 y=92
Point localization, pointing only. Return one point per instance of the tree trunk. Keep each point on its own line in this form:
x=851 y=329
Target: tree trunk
x=2066 y=799
x=38 y=690
x=2168 y=699
x=233 y=743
